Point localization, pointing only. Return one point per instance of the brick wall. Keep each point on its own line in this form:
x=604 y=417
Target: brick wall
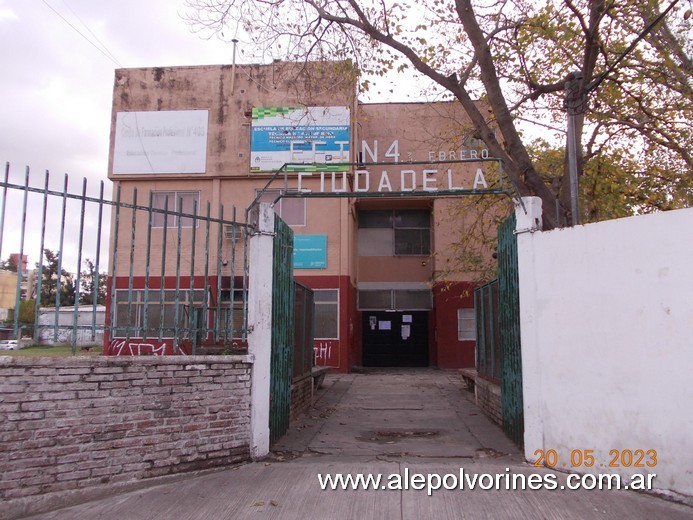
x=301 y=396
x=74 y=426
x=488 y=398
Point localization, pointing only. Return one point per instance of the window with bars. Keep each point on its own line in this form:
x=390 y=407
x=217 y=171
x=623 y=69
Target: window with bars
x=326 y=313
x=232 y=311
x=291 y=210
x=466 y=325
x=131 y=311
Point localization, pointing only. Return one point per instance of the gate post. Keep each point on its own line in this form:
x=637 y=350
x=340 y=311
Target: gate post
x=260 y=330
x=529 y=220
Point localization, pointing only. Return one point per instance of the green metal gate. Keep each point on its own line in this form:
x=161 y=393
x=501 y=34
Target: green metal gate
x=509 y=307
x=283 y=294
x=488 y=342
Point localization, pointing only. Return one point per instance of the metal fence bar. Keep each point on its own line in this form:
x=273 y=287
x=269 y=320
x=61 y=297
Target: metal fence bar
x=112 y=319
x=479 y=312
x=489 y=354
x=205 y=312
x=162 y=283
x=129 y=312
x=20 y=261
x=39 y=283
x=75 y=310
x=132 y=263
x=246 y=274
x=4 y=199
x=192 y=318
x=148 y=257
x=232 y=280
x=176 y=325
x=217 y=318
x=97 y=280
x=58 y=286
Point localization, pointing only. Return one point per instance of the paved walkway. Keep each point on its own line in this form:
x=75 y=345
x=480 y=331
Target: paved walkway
x=394 y=422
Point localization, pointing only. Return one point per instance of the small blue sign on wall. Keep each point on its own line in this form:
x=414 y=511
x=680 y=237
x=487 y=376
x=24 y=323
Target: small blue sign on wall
x=310 y=251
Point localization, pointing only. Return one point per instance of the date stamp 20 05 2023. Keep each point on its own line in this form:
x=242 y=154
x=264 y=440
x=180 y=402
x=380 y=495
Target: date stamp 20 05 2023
x=585 y=458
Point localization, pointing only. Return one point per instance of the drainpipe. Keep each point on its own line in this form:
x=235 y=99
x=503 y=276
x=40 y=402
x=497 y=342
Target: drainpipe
x=233 y=64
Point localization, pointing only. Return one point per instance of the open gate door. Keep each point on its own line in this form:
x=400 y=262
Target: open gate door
x=283 y=294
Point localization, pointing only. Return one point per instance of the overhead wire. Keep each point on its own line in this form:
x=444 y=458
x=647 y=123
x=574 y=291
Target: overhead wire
x=106 y=53
x=103 y=46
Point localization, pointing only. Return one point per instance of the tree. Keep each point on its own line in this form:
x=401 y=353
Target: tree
x=88 y=284
x=27 y=309
x=52 y=284
x=9 y=265
x=515 y=56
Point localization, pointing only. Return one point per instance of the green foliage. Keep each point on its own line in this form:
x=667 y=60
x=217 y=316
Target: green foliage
x=58 y=350
x=89 y=287
x=53 y=285
x=9 y=265
x=516 y=56
x=25 y=320
x=618 y=182
x=27 y=312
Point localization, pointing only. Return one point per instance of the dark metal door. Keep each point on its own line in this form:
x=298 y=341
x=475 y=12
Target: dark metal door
x=395 y=339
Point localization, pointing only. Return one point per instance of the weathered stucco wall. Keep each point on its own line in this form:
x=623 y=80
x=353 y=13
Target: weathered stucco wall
x=79 y=426
x=607 y=349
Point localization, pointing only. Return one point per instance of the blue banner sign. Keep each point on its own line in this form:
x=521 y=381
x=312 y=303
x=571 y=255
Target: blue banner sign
x=310 y=251
x=301 y=136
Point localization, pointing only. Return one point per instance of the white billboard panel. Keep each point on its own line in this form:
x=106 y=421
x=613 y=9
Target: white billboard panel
x=161 y=142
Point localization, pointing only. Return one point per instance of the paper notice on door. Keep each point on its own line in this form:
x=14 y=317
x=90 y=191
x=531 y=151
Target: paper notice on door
x=406 y=318
x=406 y=331
x=385 y=325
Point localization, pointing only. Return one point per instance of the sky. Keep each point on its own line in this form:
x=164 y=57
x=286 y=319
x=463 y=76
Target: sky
x=58 y=61
x=55 y=107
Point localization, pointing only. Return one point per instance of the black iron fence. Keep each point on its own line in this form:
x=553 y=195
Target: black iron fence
x=164 y=276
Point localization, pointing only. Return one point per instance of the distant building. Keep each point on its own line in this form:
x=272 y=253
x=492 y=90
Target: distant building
x=56 y=327
x=14 y=259
x=8 y=291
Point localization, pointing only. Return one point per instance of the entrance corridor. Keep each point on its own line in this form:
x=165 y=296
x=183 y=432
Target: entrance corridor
x=412 y=412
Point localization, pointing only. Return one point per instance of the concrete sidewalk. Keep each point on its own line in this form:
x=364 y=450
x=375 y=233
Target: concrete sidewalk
x=387 y=423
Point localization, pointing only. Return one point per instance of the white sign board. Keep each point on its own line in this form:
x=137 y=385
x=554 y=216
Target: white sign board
x=161 y=142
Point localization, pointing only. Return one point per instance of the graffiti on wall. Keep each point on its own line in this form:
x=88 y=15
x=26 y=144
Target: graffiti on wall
x=122 y=347
x=323 y=352
x=64 y=336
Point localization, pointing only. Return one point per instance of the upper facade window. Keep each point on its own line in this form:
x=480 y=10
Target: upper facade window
x=291 y=210
x=400 y=232
x=174 y=202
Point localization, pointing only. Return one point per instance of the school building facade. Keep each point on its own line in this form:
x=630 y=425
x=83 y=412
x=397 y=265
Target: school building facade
x=373 y=235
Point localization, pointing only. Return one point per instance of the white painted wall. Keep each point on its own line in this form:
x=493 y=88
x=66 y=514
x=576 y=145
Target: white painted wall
x=607 y=343
x=47 y=333
x=260 y=330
